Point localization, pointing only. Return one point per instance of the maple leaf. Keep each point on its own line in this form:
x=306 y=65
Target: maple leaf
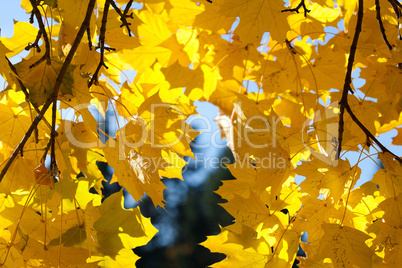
x=116 y=230
x=237 y=255
x=397 y=140
x=345 y=246
x=256 y=17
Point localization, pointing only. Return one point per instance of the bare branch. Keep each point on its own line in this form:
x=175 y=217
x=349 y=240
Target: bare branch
x=384 y=36
x=397 y=9
x=369 y=134
x=89 y=38
x=94 y=79
x=56 y=88
x=35 y=43
x=53 y=134
x=123 y=16
x=296 y=9
x=396 y=4
x=42 y=31
x=348 y=78
x=344 y=105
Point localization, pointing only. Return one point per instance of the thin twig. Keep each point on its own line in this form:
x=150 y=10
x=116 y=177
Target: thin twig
x=55 y=92
x=42 y=31
x=35 y=43
x=296 y=9
x=396 y=3
x=127 y=8
x=369 y=134
x=397 y=9
x=53 y=134
x=94 y=79
x=344 y=105
x=89 y=38
x=123 y=16
x=348 y=78
x=384 y=36
x=42 y=160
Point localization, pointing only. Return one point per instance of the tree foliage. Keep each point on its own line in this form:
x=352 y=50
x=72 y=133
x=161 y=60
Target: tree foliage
x=289 y=108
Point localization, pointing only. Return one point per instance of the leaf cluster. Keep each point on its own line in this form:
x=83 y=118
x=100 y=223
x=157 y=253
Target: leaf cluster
x=289 y=109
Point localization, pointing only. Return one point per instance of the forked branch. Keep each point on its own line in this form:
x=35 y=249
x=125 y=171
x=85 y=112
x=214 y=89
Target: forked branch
x=344 y=105
x=41 y=32
x=123 y=15
x=101 y=46
x=55 y=92
x=296 y=9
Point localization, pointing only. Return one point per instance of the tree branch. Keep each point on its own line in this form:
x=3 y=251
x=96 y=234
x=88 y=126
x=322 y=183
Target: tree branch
x=296 y=9
x=35 y=43
x=56 y=88
x=348 y=78
x=123 y=16
x=369 y=134
x=42 y=32
x=94 y=79
x=344 y=105
x=53 y=134
x=89 y=38
x=384 y=36
x=397 y=9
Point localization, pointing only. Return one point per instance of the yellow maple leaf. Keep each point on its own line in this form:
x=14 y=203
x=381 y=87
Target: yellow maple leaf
x=345 y=246
x=257 y=17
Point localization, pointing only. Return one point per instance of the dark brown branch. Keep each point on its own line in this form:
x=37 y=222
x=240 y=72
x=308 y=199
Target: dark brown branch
x=348 y=78
x=384 y=36
x=31 y=18
x=35 y=43
x=368 y=133
x=101 y=46
x=344 y=105
x=395 y=3
x=397 y=9
x=42 y=31
x=127 y=8
x=55 y=92
x=123 y=16
x=290 y=46
x=296 y=9
x=89 y=38
x=53 y=134
x=42 y=160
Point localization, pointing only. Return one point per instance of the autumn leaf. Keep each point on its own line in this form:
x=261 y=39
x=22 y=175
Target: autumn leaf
x=345 y=246
x=256 y=17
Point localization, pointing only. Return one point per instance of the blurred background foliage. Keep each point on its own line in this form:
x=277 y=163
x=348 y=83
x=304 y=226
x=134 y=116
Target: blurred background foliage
x=192 y=209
